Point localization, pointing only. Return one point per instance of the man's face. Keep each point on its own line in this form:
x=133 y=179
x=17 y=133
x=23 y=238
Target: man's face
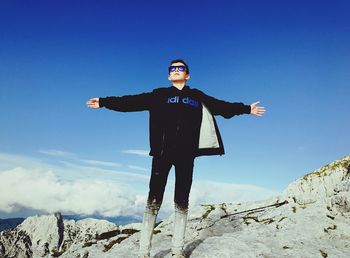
x=178 y=75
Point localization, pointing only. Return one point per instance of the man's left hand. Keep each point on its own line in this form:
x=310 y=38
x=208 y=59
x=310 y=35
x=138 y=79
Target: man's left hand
x=256 y=110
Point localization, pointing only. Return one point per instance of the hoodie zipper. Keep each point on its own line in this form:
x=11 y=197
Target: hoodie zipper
x=162 y=150
x=177 y=127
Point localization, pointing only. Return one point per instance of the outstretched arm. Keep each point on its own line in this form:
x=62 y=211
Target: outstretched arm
x=230 y=109
x=224 y=108
x=127 y=103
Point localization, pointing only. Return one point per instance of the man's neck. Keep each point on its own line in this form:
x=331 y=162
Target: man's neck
x=179 y=84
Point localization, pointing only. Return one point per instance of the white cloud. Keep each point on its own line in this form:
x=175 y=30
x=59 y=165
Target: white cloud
x=137 y=152
x=43 y=190
x=28 y=183
x=99 y=172
x=138 y=168
x=208 y=192
x=100 y=163
x=8 y=161
x=57 y=153
x=74 y=157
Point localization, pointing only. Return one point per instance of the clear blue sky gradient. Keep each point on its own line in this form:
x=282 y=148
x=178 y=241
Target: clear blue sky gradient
x=293 y=56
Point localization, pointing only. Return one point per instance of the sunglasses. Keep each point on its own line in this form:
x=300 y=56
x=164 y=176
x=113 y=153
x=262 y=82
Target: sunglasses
x=181 y=68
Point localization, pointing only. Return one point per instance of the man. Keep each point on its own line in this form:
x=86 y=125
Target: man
x=182 y=127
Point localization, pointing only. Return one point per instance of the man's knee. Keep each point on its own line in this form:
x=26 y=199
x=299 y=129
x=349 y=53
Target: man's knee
x=153 y=205
x=181 y=205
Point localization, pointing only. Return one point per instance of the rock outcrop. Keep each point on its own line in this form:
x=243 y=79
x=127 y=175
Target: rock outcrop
x=50 y=236
x=328 y=184
x=310 y=218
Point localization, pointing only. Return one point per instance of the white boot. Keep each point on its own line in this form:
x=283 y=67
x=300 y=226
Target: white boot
x=149 y=220
x=178 y=239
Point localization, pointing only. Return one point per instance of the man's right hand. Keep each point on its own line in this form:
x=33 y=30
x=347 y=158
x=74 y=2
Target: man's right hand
x=93 y=103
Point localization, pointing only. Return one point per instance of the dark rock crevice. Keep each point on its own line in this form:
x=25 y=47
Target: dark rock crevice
x=60 y=226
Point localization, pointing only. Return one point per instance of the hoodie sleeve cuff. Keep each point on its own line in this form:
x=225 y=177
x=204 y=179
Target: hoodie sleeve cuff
x=101 y=102
x=247 y=109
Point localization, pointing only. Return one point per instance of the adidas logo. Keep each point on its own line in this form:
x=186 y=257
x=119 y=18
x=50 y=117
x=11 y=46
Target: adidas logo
x=185 y=100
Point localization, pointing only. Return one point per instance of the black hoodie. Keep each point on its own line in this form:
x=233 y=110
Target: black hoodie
x=181 y=121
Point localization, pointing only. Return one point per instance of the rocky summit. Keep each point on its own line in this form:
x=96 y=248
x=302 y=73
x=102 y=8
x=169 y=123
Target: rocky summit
x=310 y=218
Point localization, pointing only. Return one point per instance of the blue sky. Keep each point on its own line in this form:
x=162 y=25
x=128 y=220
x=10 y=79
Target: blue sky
x=293 y=56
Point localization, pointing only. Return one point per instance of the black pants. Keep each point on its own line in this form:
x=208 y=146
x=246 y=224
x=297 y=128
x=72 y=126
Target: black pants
x=183 y=179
